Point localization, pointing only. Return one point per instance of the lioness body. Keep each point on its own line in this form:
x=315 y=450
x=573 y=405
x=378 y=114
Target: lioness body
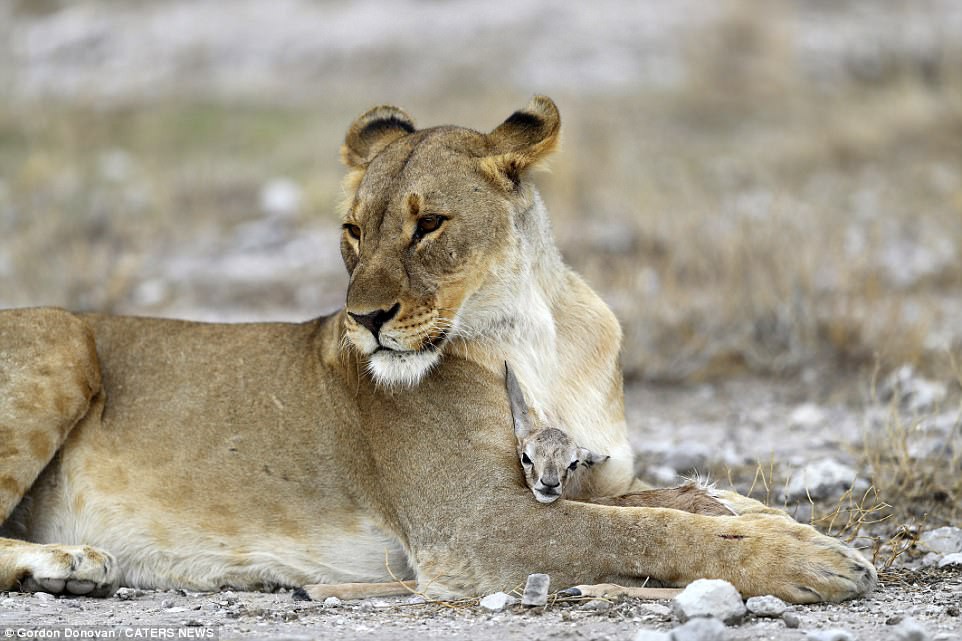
x=196 y=456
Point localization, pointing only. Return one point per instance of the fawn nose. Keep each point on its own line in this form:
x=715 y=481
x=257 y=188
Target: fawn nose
x=373 y=321
x=550 y=483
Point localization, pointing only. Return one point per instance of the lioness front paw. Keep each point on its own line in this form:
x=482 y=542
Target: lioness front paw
x=803 y=566
x=69 y=569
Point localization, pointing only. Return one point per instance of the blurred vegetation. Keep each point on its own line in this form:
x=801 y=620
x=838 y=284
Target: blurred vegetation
x=754 y=218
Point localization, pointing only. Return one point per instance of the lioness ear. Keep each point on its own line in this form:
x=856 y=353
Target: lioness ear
x=519 y=407
x=373 y=131
x=525 y=138
x=589 y=458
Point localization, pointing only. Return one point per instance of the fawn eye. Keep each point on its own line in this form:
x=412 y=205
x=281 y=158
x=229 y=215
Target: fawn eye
x=428 y=224
x=525 y=459
x=353 y=230
x=573 y=466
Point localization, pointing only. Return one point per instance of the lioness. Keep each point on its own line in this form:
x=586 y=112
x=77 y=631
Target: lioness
x=161 y=453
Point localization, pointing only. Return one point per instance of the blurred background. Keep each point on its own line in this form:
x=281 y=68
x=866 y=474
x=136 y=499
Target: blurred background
x=756 y=187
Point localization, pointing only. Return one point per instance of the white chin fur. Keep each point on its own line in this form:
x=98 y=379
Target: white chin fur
x=401 y=369
x=545 y=498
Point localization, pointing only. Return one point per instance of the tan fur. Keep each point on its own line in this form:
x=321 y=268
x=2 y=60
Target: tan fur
x=274 y=454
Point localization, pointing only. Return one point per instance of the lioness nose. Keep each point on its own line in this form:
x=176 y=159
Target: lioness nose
x=373 y=321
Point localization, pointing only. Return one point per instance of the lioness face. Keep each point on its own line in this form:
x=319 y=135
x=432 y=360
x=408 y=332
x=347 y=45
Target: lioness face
x=429 y=230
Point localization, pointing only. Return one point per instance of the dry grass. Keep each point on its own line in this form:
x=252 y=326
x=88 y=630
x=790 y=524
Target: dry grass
x=755 y=218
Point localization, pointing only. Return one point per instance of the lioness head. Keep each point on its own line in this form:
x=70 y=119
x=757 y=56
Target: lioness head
x=435 y=232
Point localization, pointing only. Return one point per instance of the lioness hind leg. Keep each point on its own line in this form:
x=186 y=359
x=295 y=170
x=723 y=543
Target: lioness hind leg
x=49 y=380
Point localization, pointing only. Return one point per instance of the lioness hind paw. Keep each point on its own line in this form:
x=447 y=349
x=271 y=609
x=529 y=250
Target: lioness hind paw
x=68 y=569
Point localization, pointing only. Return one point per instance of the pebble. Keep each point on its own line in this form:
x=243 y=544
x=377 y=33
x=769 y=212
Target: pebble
x=766 y=606
x=808 y=416
x=498 y=601
x=655 y=609
x=652 y=635
x=596 y=605
x=829 y=635
x=44 y=596
x=954 y=559
x=332 y=602
x=709 y=598
x=820 y=480
x=910 y=630
x=791 y=620
x=166 y=604
x=943 y=540
x=536 y=590
x=128 y=594
x=700 y=629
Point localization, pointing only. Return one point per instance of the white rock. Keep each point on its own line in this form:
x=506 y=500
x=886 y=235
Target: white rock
x=766 y=606
x=44 y=596
x=709 y=598
x=536 y=590
x=808 y=416
x=688 y=456
x=651 y=635
x=280 y=197
x=829 y=635
x=916 y=394
x=954 y=559
x=910 y=630
x=700 y=629
x=943 y=540
x=820 y=480
x=332 y=602
x=655 y=609
x=497 y=601
x=596 y=605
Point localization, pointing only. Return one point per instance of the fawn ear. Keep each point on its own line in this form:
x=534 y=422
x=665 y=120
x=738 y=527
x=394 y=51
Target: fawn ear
x=525 y=138
x=519 y=407
x=589 y=458
x=374 y=130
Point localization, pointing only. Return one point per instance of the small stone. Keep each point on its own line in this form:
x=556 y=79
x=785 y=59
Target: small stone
x=175 y=610
x=498 y=601
x=536 y=590
x=829 y=635
x=808 y=416
x=910 y=630
x=954 y=559
x=952 y=611
x=766 y=606
x=709 y=598
x=894 y=619
x=193 y=623
x=820 y=480
x=791 y=620
x=596 y=605
x=417 y=599
x=128 y=594
x=652 y=635
x=655 y=610
x=332 y=602
x=166 y=604
x=943 y=540
x=228 y=596
x=700 y=629
x=44 y=596
x=280 y=197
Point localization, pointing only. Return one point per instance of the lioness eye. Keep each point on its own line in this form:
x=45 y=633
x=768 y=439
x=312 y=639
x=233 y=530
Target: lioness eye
x=525 y=459
x=428 y=224
x=353 y=230
x=573 y=466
